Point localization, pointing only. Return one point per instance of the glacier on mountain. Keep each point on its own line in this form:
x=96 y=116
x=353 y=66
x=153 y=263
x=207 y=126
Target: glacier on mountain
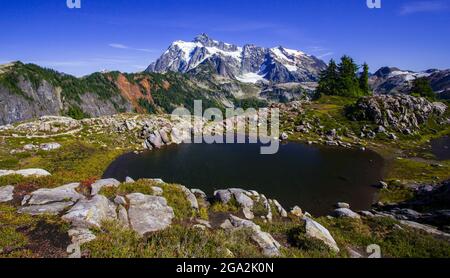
x=249 y=64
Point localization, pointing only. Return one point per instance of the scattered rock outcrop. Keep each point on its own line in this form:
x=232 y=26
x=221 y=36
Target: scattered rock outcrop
x=45 y=147
x=430 y=206
x=46 y=125
x=402 y=113
x=50 y=146
x=247 y=201
x=241 y=196
x=149 y=213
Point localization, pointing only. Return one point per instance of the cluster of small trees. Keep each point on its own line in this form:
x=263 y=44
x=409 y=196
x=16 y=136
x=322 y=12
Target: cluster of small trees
x=344 y=79
x=421 y=87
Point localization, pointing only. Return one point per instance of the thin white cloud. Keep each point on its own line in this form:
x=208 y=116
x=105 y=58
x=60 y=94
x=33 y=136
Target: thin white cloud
x=319 y=51
x=316 y=48
x=325 y=55
x=423 y=7
x=122 y=46
x=118 y=45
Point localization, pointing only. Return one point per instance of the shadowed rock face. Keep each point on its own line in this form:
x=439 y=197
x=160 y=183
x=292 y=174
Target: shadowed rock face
x=28 y=91
x=46 y=100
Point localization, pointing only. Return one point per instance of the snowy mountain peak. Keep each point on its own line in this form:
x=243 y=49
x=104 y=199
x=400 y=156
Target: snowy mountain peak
x=247 y=64
x=205 y=40
x=202 y=38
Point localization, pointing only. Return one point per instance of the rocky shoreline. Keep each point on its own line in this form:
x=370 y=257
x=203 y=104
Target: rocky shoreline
x=85 y=208
x=391 y=116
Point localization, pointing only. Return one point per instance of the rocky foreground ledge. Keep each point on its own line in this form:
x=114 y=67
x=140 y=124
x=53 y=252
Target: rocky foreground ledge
x=87 y=206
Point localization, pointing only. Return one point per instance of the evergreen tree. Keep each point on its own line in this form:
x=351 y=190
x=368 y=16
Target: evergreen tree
x=421 y=87
x=343 y=80
x=328 y=80
x=348 y=80
x=364 y=80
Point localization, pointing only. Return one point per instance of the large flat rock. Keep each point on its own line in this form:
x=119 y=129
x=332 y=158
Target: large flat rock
x=148 y=213
x=91 y=213
x=59 y=194
x=52 y=208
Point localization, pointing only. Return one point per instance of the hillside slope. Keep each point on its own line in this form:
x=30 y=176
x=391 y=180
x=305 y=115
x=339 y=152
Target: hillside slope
x=28 y=91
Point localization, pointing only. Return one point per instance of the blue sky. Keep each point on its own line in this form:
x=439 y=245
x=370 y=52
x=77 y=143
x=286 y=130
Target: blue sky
x=127 y=35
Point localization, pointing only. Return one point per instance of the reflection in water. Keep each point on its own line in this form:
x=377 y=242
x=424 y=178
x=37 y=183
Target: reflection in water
x=312 y=177
x=441 y=147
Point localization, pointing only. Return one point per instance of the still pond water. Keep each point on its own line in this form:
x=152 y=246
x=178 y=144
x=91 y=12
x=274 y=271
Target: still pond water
x=441 y=148
x=312 y=177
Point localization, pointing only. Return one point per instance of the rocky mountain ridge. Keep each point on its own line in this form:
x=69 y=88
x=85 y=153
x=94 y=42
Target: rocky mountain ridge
x=391 y=80
x=248 y=64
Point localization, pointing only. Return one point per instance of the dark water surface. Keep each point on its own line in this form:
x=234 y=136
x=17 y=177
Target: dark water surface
x=441 y=147
x=312 y=177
